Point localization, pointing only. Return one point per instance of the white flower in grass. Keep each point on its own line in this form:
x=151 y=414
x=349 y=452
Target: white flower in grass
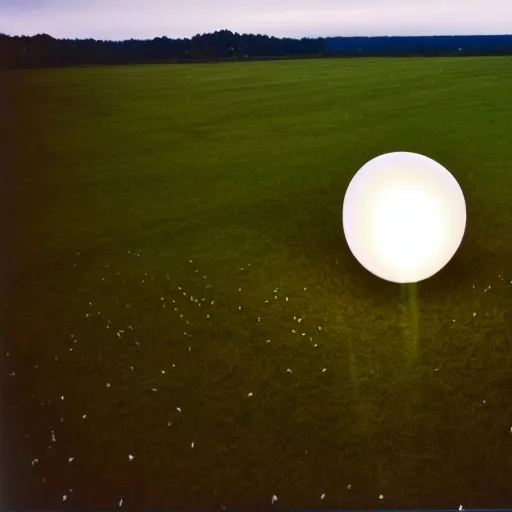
x=71 y=459
x=178 y=409
x=120 y=504
x=250 y=394
x=274 y=499
x=288 y=370
x=322 y=497
x=268 y=341
x=349 y=486
x=381 y=497
x=294 y=331
x=324 y=370
x=34 y=461
x=130 y=457
x=287 y=299
x=64 y=497
x=192 y=444
x=299 y=320
x=474 y=314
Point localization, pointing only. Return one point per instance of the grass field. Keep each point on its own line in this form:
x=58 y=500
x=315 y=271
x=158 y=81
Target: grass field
x=170 y=225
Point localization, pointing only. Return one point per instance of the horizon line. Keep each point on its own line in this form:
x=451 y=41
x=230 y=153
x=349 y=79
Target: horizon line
x=297 y=38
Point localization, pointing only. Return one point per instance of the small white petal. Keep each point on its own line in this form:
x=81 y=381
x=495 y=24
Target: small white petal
x=322 y=497
x=250 y=394
x=84 y=416
x=349 y=486
x=319 y=328
x=34 y=461
x=287 y=299
x=294 y=331
x=108 y=384
x=64 y=497
x=130 y=457
x=274 y=499
x=324 y=370
x=288 y=370
x=474 y=314
x=268 y=341
x=381 y=497
x=178 y=409
x=120 y=504
x=192 y=445
x=71 y=459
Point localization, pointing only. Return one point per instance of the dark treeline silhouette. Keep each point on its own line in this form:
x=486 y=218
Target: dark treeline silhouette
x=45 y=51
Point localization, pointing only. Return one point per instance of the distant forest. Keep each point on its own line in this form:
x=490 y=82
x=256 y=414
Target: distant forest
x=45 y=51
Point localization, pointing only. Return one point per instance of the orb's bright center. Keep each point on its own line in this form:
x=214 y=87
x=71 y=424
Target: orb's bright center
x=408 y=227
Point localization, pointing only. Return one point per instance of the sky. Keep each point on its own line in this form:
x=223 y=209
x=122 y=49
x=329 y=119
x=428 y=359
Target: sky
x=146 y=19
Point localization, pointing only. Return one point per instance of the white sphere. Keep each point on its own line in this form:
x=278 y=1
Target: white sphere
x=404 y=217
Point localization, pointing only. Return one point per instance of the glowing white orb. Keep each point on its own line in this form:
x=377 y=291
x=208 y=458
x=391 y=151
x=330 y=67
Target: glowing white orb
x=404 y=217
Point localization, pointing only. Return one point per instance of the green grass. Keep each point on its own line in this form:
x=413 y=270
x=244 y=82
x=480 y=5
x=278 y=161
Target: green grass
x=121 y=175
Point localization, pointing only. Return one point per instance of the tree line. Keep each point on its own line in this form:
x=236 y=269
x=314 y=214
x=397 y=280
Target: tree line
x=43 y=50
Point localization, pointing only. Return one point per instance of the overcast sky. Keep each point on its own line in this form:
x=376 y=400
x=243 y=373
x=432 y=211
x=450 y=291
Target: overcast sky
x=120 y=19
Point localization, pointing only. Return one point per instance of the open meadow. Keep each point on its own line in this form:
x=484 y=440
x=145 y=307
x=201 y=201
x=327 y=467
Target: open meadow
x=186 y=326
